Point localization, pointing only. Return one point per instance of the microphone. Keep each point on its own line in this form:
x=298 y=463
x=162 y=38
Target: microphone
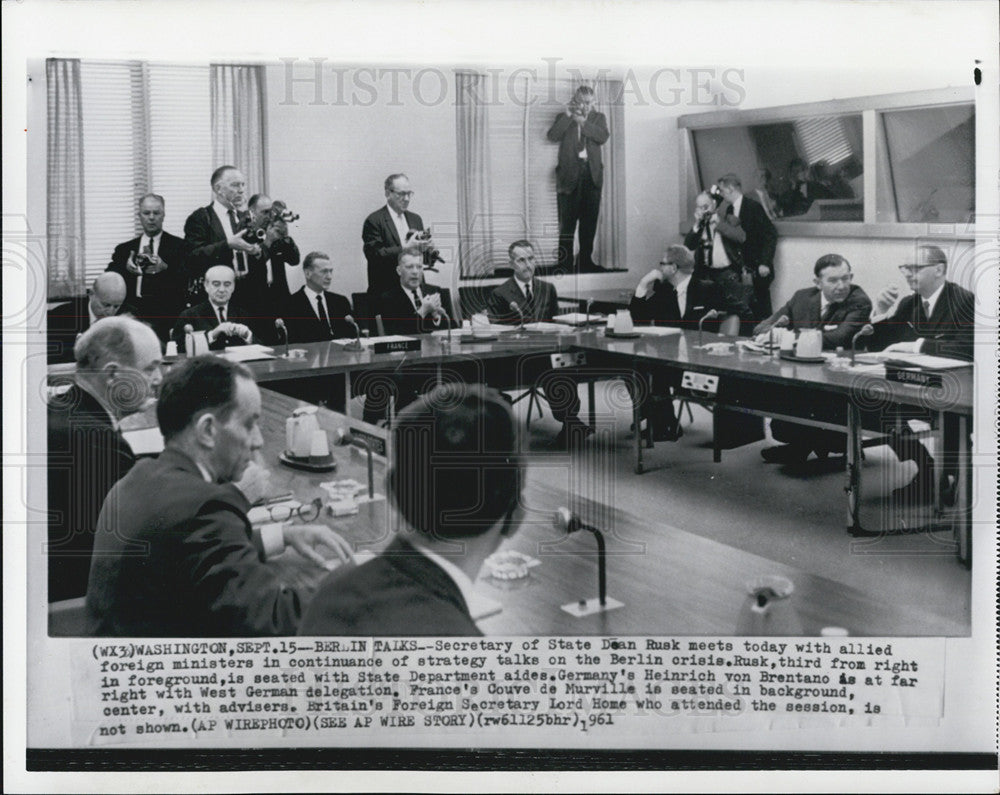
x=865 y=331
x=711 y=314
x=356 y=344
x=590 y=302
x=189 y=339
x=447 y=319
x=565 y=521
x=514 y=306
x=781 y=322
x=345 y=437
x=279 y=325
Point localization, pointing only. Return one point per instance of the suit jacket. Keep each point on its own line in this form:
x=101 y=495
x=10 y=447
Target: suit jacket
x=845 y=320
x=762 y=239
x=544 y=302
x=206 y=239
x=173 y=557
x=382 y=246
x=65 y=321
x=660 y=305
x=949 y=331
x=202 y=317
x=304 y=326
x=163 y=293
x=86 y=456
x=693 y=241
x=282 y=252
x=399 y=593
x=569 y=164
x=399 y=316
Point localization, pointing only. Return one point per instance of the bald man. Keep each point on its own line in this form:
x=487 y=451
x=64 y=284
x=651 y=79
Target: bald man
x=68 y=321
x=222 y=321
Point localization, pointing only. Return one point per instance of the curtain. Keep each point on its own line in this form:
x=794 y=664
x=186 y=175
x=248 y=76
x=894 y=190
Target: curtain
x=609 y=248
x=64 y=224
x=238 y=121
x=475 y=207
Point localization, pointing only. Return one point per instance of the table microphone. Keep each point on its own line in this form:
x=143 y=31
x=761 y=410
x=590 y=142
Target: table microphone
x=516 y=308
x=711 y=314
x=586 y=325
x=279 y=325
x=189 y=339
x=447 y=319
x=781 y=322
x=865 y=331
x=565 y=521
x=356 y=344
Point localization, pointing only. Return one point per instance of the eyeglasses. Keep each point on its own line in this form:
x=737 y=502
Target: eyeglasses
x=908 y=269
x=403 y=194
x=306 y=512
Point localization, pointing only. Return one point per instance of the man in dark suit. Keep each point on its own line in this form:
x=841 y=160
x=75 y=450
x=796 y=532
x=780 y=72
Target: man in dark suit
x=214 y=235
x=65 y=322
x=673 y=295
x=175 y=555
x=580 y=132
x=463 y=441
x=387 y=231
x=537 y=301
x=313 y=313
x=223 y=322
x=154 y=266
x=840 y=310
x=117 y=371
x=757 y=251
x=278 y=247
x=937 y=318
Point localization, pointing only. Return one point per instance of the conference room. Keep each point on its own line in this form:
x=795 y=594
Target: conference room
x=624 y=528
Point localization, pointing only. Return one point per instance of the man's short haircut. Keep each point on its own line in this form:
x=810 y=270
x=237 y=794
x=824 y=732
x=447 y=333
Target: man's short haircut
x=199 y=384
x=585 y=90
x=392 y=178
x=409 y=252
x=217 y=174
x=110 y=339
x=456 y=469
x=254 y=199
x=312 y=256
x=156 y=196
x=730 y=180
x=933 y=255
x=681 y=256
x=829 y=261
x=519 y=244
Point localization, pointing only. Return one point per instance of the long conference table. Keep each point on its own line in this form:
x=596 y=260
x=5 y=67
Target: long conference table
x=855 y=400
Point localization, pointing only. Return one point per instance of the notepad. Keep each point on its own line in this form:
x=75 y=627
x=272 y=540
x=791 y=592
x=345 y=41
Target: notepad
x=144 y=442
x=248 y=353
x=657 y=331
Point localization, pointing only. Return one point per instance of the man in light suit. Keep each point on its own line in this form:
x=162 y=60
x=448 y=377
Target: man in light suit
x=463 y=441
x=313 y=313
x=223 y=322
x=387 y=231
x=175 y=554
x=537 y=301
x=154 y=267
x=757 y=250
x=938 y=318
x=839 y=309
x=65 y=322
x=580 y=132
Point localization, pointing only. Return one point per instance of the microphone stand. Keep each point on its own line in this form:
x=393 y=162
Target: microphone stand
x=279 y=324
x=709 y=315
x=447 y=319
x=356 y=344
x=346 y=437
x=566 y=521
x=520 y=333
x=865 y=331
x=189 y=340
x=781 y=322
x=586 y=321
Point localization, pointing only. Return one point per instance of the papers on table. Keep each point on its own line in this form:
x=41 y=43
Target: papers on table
x=544 y=327
x=579 y=318
x=144 y=441
x=248 y=353
x=923 y=360
x=369 y=342
x=657 y=331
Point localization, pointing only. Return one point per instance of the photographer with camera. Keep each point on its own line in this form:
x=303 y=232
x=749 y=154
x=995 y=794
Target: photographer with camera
x=154 y=267
x=268 y=226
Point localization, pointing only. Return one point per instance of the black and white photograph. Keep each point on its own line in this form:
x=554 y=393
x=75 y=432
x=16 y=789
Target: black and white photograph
x=537 y=378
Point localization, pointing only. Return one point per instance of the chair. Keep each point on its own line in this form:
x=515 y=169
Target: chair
x=473 y=299
x=363 y=314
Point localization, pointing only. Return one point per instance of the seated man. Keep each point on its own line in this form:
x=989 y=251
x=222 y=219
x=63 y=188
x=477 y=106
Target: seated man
x=68 y=321
x=313 y=313
x=525 y=297
x=117 y=370
x=175 y=555
x=411 y=308
x=839 y=309
x=463 y=441
x=223 y=323
x=936 y=318
x=669 y=295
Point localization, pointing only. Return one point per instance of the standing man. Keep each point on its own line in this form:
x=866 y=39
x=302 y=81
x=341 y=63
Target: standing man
x=154 y=266
x=839 y=309
x=65 y=322
x=175 y=554
x=279 y=248
x=389 y=230
x=214 y=236
x=313 y=313
x=938 y=318
x=117 y=371
x=223 y=323
x=757 y=251
x=580 y=132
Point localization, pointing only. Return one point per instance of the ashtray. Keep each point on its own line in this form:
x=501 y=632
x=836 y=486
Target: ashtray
x=509 y=565
x=326 y=463
x=297 y=353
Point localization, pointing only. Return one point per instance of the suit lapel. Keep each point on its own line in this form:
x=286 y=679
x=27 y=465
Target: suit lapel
x=390 y=227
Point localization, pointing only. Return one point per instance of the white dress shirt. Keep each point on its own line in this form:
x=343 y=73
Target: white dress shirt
x=401 y=224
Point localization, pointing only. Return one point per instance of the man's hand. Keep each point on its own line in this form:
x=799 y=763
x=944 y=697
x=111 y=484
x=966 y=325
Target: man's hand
x=416 y=239
x=431 y=305
x=307 y=538
x=237 y=242
x=154 y=265
x=255 y=482
x=903 y=347
x=886 y=299
x=131 y=267
x=763 y=271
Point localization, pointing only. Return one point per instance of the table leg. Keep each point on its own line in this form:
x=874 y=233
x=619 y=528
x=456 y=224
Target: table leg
x=637 y=421
x=592 y=409
x=954 y=487
x=853 y=471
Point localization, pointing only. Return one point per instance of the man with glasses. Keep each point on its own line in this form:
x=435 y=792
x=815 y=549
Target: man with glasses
x=839 y=309
x=936 y=318
x=175 y=554
x=389 y=230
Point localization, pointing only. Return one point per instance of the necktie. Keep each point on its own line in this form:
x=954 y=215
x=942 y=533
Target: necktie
x=239 y=260
x=416 y=300
x=322 y=313
x=828 y=312
x=232 y=220
x=222 y=314
x=673 y=306
x=527 y=294
x=927 y=309
x=581 y=145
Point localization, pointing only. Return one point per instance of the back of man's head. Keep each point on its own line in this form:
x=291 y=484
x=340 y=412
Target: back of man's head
x=197 y=385
x=681 y=256
x=456 y=470
x=111 y=340
x=730 y=181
